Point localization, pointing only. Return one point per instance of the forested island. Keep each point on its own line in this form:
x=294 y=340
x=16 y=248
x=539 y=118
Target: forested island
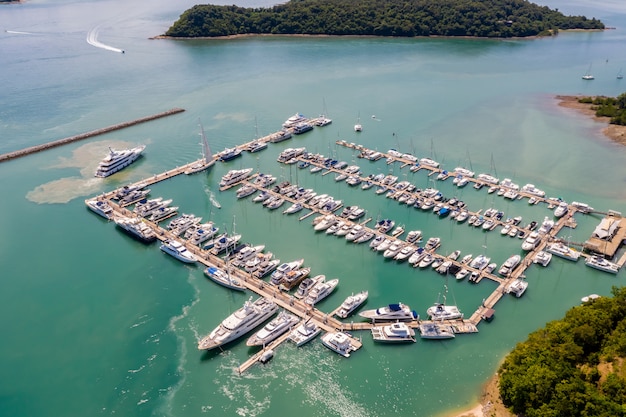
x=572 y=367
x=402 y=18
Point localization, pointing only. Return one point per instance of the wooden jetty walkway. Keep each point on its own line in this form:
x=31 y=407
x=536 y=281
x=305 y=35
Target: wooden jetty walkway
x=75 y=138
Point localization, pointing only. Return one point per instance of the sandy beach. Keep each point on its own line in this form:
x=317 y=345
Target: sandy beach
x=616 y=133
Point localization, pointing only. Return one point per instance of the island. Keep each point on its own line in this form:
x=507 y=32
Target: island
x=609 y=110
x=409 y=18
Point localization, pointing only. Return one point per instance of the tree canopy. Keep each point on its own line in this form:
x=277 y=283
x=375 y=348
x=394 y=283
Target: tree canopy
x=613 y=107
x=406 y=18
x=572 y=367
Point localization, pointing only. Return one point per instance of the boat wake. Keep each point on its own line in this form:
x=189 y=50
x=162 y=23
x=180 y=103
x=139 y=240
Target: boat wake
x=92 y=39
x=17 y=32
x=212 y=198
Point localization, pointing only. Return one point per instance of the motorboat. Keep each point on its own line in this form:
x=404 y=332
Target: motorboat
x=351 y=303
x=294 y=208
x=367 y=236
x=393 y=333
x=100 y=207
x=436 y=331
x=546 y=225
x=321 y=291
x=563 y=251
x=234 y=176
x=518 y=287
x=201 y=233
x=272 y=330
x=326 y=222
x=426 y=261
x=489 y=179
x=391 y=312
x=293 y=278
x=339 y=342
x=146 y=207
x=181 y=224
x=242 y=321
x=393 y=249
x=510 y=264
x=599 y=263
x=377 y=241
x=245 y=190
x=385 y=225
x=284 y=268
x=405 y=253
x=266 y=267
x=480 y=262
x=441 y=311
x=307 y=284
x=531 y=241
x=294 y=120
x=417 y=256
x=163 y=213
x=432 y=243
x=561 y=209
x=534 y=191
x=385 y=244
x=414 y=236
x=224 y=278
x=137 y=228
x=463 y=272
x=356 y=232
x=229 y=154
x=226 y=243
x=304 y=333
x=275 y=203
x=178 y=250
x=542 y=258
x=116 y=160
x=133 y=196
x=290 y=153
x=429 y=162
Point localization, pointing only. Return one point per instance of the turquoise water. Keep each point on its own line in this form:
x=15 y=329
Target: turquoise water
x=98 y=324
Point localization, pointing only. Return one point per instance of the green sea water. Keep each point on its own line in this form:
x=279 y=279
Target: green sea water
x=98 y=324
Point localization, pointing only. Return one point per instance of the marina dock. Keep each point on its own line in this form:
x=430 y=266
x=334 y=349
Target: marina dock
x=327 y=321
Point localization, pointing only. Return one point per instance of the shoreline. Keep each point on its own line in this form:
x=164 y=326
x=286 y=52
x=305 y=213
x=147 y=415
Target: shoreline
x=616 y=133
x=489 y=403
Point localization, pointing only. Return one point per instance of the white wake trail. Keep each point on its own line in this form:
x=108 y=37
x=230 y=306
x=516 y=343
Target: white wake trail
x=92 y=39
x=17 y=32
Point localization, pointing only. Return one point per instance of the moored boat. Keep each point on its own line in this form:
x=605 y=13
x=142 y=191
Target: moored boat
x=224 y=278
x=272 y=330
x=393 y=333
x=339 y=342
x=391 y=312
x=304 y=333
x=351 y=303
x=137 y=228
x=178 y=250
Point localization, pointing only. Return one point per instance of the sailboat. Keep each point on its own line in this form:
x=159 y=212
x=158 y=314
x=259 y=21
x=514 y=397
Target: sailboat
x=207 y=160
x=588 y=75
x=619 y=74
x=441 y=311
x=357 y=126
x=323 y=120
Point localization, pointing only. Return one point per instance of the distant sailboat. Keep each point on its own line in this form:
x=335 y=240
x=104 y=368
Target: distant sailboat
x=207 y=160
x=357 y=126
x=619 y=74
x=588 y=75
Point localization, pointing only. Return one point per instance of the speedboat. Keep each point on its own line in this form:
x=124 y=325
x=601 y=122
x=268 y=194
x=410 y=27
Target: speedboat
x=435 y=331
x=598 y=262
x=100 y=207
x=510 y=264
x=351 y=303
x=261 y=196
x=178 y=250
x=391 y=312
x=393 y=333
x=239 y=323
x=518 y=287
x=321 y=291
x=224 y=278
x=462 y=274
x=272 y=330
x=137 y=228
x=339 y=342
x=117 y=160
x=563 y=251
x=480 y=262
x=278 y=274
x=307 y=284
x=304 y=333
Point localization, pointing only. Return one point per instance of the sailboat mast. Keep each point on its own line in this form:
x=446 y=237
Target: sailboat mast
x=205 y=144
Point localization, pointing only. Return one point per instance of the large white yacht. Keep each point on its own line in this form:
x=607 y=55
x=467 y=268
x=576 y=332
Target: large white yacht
x=563 y=251
x=100 y=207
x=351 y=303
x=518 y=287
x=178 y=251
x=546 y=225
x=239 y=323
x=598 y=262
x=532 y=190
x=391 y=312
x=321 y=291
x=136 y=228
x=510 y=264
x=531 y=241
x=282 y=323
x=393 y=333
x=304 y=333
x=441 y=311
x=480 y=262
x=117 y=160
x=234 y=176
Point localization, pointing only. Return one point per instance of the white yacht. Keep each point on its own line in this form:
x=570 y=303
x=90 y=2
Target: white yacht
x=563 y=251
x=100 y=207
x=272 y=330
x=518 y=287
x=510 y=264
x=339 y=342
x=561 y=210
x=201 y=233
x=414 y=236
x=239 y=323
x=283 y=269
x=429 y=162
x=351 y=303
x=145 y=208
x=542 y=258
x=598 y=262
x=489 y=179
x=432 y=243
x=163 y=213
x=294 y=120
x=266 y=268
x=307 y=285
x=405 y=253
x=531 y=241
x=393 y=333
x=532 y=190
x=435 y=331
x=304 y=333
x=181 y=224
x=321 y=291
x=224 y=278
x=178 y=251
x=480 y=262
x=136 y=228
x=234 y=176
x=441 y=311
x=546 y=226
x=391 y=312
x=293 y=278
x=117 y=160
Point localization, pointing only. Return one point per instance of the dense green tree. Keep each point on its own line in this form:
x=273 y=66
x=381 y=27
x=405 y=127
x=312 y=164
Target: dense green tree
x=406 y=18
x=612 y=107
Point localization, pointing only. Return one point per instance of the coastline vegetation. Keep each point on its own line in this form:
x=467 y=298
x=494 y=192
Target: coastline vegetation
x=572 y=367
x=402 y=18
x=613 y=107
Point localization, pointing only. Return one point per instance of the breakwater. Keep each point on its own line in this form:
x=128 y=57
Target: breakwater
x=75 y=138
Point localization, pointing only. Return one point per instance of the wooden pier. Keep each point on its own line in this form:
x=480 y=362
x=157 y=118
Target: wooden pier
x=71 y=139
